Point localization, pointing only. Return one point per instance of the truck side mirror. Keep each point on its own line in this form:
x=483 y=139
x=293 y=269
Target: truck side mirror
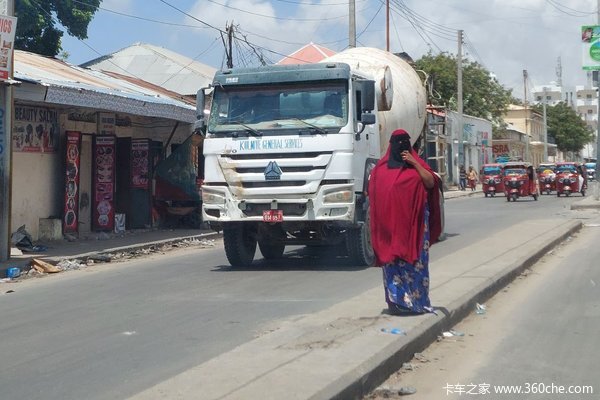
x=367 y=118
x=199 y=124
x=368 y=96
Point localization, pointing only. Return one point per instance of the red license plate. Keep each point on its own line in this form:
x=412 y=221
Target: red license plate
x=273 y=215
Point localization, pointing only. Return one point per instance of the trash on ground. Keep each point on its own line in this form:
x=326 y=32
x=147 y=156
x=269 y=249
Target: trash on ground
x=408 y=366
x=23 y=241
x=393 y=331
x=480 y=308
x=452 y=333
x=43 y=266
x=70 y=264
x=5 y=280
x=9 y=291
x=14 y=251
x=406 y=390
x=100 y=257
x=421 y=357
x=13 y=272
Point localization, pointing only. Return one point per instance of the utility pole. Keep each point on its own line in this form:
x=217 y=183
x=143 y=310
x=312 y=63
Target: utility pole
x=352 y=25
x=546 y=128
x=387 y=25
x=459 y=101
x=6 y=110
x=597 y=191
x=526 y=158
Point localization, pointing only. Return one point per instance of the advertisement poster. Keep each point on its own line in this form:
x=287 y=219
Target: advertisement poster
x=590 y=42
x=8 y=26
x=71 y=215
x=35 y=129
x=140 y=161
x=104 y=183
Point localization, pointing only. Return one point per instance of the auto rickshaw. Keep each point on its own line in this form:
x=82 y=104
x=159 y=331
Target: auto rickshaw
x=520 y=180
x=571 y=177
x=591 y=170
x=491 y=179
x=547 y=177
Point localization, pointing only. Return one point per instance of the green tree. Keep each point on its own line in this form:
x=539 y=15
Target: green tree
x=40 y=22
x=566 y=127
x=483 y=95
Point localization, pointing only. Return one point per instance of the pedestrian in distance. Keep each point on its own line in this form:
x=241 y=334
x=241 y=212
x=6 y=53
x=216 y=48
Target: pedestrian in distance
x=404 y=199
x=462 y=176
x=472 y=177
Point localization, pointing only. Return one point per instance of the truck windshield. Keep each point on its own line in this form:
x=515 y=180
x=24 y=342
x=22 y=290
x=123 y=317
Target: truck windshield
x=308 y=106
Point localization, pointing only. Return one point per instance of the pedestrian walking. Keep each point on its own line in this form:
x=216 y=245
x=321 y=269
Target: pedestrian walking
x=462 y=176
x=472 y=177
x=404 y=198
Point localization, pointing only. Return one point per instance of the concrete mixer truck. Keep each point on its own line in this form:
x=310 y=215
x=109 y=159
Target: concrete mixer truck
x=288 y=150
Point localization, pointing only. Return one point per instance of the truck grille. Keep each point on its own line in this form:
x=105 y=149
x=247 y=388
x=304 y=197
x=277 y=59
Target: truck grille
x=297 y=173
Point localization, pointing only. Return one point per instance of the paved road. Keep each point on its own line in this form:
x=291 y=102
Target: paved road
x=108 y=332
x=537 y=335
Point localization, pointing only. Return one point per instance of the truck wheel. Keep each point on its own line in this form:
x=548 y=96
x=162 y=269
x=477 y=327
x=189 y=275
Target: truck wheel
x=271 y=251
x=358 y=244
x=240 y=244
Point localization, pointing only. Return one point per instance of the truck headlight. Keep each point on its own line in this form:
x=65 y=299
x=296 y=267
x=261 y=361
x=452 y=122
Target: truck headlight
x=342 y=196
x=212 y=198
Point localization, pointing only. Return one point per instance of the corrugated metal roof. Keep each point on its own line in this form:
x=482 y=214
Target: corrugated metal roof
x=157 y=65
x=72 y=85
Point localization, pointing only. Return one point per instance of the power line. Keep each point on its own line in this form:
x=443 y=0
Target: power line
x=275 y=17
x=560 y=8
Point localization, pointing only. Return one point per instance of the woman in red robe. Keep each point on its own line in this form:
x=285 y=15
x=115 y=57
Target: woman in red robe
x=405 y=221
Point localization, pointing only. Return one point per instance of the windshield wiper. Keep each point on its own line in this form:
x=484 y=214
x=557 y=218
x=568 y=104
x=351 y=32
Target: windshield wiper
x=318 y=129
x=249 y=129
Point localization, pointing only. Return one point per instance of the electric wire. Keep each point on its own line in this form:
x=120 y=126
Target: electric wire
x=372 y=19
x=274 y=17
x=562 y=9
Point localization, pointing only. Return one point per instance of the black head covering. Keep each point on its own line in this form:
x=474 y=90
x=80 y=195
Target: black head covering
x=399 y=142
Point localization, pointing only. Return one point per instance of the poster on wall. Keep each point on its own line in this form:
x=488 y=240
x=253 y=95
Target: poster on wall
x=104 y=183
x=71 y=215
x=140 y=161
x=35 y=129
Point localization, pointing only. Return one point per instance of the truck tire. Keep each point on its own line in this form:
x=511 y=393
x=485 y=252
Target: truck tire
x=358 y=244
x=240 y=244
x=271 y=251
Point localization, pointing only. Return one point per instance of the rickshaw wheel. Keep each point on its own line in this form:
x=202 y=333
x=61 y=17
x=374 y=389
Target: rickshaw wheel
x=485 y=194
x=535 y=197
x=583 y=193
x=567 y=194
x=493 y=194
x=557 y=194
x=507 y=198
x=514 y=197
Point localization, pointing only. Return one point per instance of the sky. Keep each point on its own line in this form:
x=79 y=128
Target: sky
x=505 y=36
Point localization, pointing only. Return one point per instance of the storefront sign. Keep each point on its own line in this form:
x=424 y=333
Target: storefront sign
x=8 y=26
x=104 y=182
x=590 y=43
x=107 y=123
x=140 y=161
x=35 y=129
x=71 y=216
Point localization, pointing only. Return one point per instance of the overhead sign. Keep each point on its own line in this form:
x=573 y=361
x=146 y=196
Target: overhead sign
x=8 y=26
x=590 y=41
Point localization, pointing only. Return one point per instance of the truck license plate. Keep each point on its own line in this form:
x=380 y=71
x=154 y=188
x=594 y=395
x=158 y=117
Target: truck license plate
x=273 y=215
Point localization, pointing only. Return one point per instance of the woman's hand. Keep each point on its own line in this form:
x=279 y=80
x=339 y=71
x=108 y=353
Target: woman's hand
x=408 y=157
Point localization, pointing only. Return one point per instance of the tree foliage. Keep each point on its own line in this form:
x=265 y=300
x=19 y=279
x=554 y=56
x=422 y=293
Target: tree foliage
x=483 y=95
x=566 y=127
x=40 y=22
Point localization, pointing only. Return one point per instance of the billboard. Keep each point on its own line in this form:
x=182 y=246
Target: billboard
x=590 y=42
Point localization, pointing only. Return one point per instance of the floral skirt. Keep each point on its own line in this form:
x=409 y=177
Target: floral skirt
x=407 y=284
